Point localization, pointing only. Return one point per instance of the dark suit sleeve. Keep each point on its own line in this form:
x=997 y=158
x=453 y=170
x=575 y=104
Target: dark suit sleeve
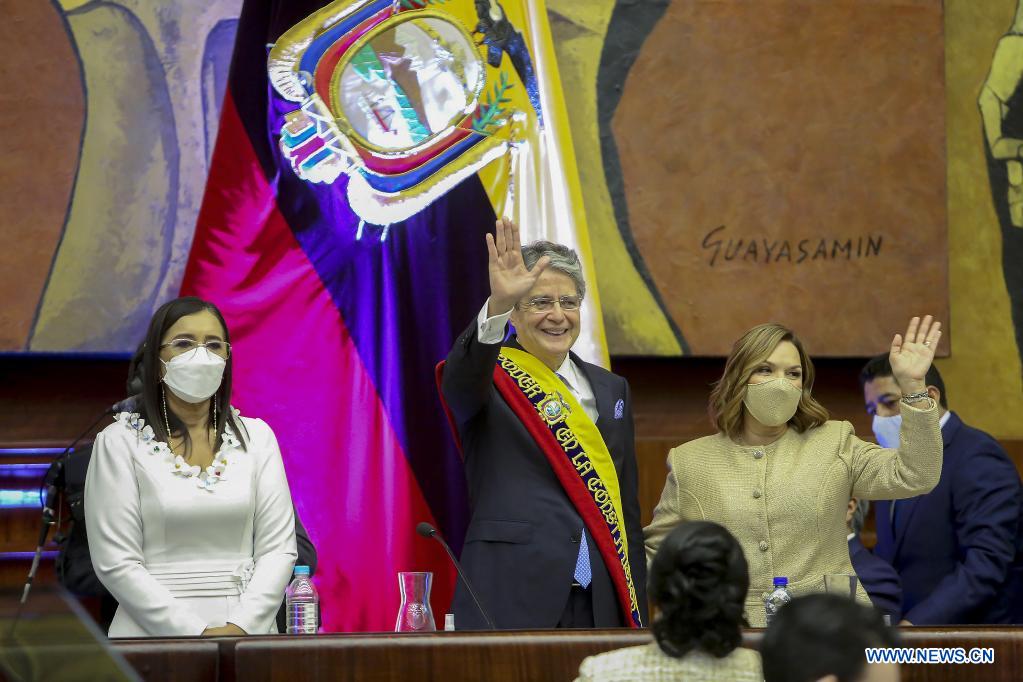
x=306 y=557
x=879 y=579
x=306 y=549
x=469 y=374
x=629 y=482
x=985 y=500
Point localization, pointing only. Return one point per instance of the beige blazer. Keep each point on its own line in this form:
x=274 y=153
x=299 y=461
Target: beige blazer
x=786 y=502
x=647 y=663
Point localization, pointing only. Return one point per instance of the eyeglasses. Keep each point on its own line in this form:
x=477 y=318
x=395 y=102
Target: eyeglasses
x=182 y=346
x=545 y=304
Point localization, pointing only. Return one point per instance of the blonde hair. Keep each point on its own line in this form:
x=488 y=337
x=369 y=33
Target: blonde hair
x=749 y=352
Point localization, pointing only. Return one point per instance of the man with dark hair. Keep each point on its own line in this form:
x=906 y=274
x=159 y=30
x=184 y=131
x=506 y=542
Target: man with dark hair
x=959 y=548
x=823 y=638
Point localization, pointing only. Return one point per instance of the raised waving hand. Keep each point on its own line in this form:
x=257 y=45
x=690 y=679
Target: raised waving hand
x=510 y=279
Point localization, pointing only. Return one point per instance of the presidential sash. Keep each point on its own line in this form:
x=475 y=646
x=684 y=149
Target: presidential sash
x=579 y=457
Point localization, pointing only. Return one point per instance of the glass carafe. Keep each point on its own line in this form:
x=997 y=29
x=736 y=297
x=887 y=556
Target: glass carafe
x=415 y=614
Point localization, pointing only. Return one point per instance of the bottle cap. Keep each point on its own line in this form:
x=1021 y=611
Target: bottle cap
x=781 y=581
x=449 y=622
x=304 y=570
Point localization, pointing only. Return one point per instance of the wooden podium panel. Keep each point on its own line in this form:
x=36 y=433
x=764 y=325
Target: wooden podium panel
x=169 y=660
x=537 y=656
x=552 y=656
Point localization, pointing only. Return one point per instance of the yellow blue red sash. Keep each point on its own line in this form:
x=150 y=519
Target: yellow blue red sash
x=580 y=459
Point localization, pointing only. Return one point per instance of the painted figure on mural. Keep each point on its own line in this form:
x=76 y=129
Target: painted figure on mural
x=500 y=36
x=1001 y=110
x=153 y=73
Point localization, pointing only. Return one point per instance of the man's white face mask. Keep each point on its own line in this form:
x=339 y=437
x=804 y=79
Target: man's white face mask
x=886 y=430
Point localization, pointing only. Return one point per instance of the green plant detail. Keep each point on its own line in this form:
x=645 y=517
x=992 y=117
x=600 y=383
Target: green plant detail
x=419 y=4
x=491 y=112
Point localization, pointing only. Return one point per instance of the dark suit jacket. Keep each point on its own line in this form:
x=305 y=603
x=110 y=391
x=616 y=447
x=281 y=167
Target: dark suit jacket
x=523 y=538
x=878 y=578
x=959 y=548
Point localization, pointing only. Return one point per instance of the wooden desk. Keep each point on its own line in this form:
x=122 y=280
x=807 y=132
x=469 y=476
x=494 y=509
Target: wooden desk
x=547 y=656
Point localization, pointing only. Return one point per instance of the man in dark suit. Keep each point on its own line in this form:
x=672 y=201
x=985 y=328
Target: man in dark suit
x=537 y=549
x=877 y=576
x=959 y=548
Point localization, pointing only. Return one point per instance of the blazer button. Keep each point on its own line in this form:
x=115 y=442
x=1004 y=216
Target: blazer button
x=756 y=493
x=763 y=545
x=757 y=454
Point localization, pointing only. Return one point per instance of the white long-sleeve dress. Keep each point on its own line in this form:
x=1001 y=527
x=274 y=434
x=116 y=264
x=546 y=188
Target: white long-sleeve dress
x=183 y=549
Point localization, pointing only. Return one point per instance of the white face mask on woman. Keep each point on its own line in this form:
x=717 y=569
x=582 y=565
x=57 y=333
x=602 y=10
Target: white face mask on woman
x=194 y=376
x=886 y=430
x=772 y=402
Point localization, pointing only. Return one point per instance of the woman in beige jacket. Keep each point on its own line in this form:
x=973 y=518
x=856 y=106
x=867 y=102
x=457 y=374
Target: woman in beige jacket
x=779 y=474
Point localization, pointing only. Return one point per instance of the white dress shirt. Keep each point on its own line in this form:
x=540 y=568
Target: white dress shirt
x=490 y=330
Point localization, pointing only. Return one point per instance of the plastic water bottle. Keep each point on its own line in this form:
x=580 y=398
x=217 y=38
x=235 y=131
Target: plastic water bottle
x=777 y=599
x=303 y=604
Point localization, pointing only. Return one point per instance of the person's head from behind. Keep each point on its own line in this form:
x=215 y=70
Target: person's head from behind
x=823 y=637
x=768 y=377
x=186 y=362
x=882 y=396
x=698 y=582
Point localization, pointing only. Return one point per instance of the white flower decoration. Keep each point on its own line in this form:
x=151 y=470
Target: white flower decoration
x=203 y=479
x=218 y=469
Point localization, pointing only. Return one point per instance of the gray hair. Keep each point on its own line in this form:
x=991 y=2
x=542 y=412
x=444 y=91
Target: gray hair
x=859 y=515
x=563 y=259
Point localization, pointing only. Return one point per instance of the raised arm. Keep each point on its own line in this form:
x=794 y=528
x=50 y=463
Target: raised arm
x=469 y=366
x=914 y=468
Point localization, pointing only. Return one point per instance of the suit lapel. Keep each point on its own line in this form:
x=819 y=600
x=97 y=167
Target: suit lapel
x=602 y=392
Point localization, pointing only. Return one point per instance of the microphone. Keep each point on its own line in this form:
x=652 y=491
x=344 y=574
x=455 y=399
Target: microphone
x=428 y=531
x=53 y=476
x=129 y=404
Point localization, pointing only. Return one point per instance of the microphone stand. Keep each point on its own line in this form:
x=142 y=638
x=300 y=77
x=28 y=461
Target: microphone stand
x=49 y=502
x=427 y=531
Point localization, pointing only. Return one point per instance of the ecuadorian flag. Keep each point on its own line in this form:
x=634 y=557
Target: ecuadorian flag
x=338 y=317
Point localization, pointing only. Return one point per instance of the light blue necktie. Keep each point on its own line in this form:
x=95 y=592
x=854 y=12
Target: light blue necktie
x=583 y=575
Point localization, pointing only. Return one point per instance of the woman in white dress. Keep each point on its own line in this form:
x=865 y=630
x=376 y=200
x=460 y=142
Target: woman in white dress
x=190 y=520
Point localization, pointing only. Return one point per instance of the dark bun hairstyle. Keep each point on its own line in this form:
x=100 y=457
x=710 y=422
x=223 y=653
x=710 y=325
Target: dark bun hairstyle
x=698 y=582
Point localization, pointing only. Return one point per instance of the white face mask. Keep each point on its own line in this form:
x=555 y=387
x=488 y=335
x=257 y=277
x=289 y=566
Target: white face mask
x=886 y=430
x=194 y=376
x=772 y=402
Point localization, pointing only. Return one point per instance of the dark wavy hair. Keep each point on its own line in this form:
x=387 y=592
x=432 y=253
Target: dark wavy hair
x=820 y=635
x=698 y=582
x=149 y=366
